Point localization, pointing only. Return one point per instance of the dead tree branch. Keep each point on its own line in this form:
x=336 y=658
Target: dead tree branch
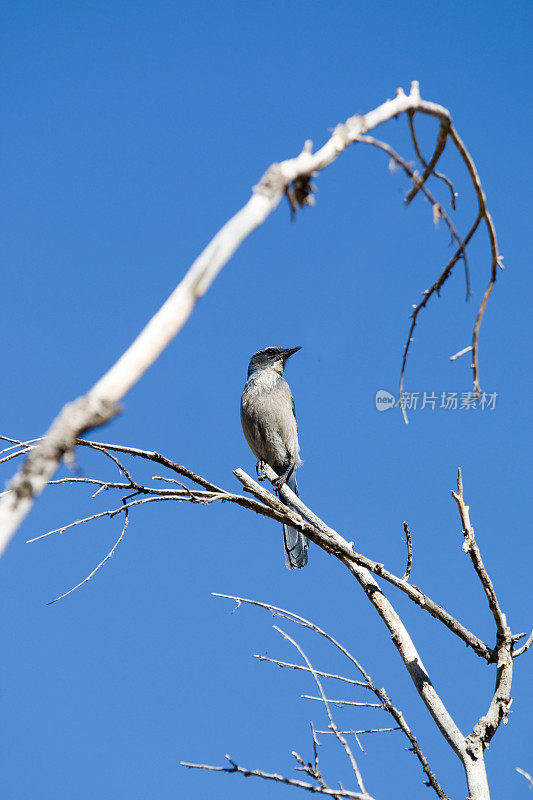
x=380 y=693
x=289 y=509
x=332 y=542
x=526 y=646
x=273 y=776
x=501 y=701
x=290 y=177
x=526 y=775
x=101 y=564
x=306 y=669
x=444 y=130
x=440 y=175
x=409 y=544
x=437 y=208
x=332 y=725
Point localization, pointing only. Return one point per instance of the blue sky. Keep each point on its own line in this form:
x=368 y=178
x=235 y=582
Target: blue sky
x=130 y=133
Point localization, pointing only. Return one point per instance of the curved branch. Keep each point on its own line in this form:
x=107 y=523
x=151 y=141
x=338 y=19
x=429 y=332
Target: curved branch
x=526 y=646
x=437 y=286
x=101 y=402
x=439 y=175
x=438 y=210
x=101 y=564
x=496 y=258
x=268 y=505
x=439 y=149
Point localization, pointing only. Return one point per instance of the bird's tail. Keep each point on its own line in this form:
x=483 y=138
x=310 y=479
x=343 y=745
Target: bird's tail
x=296 y=543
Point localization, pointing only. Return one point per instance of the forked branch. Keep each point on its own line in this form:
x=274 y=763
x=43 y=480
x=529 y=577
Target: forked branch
x=288 y=508
x=369 y=684
x=286 y=178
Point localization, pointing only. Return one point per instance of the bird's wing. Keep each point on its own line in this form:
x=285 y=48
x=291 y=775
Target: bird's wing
x=294 y=412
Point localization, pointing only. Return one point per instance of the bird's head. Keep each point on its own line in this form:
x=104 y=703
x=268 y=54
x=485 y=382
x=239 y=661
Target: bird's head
x=271 y=357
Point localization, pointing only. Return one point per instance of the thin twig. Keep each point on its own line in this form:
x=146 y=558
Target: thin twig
x=409 y=552
x=15 y=455
x=272 y=776
x=316 y=744
x=440 y=175
x=266 y=504
x=111 y=513
x=102 y=402
x=461 y=353
x=100 y=565
x=340 y=703
x=438 y=211
x=439 y=149
x=496 y=260
x=428 y=293
x=332 y=725
x=366 y=730
x=527 y=776
x=381 y=694
x=318 y=672
x=525 y=646
x=441 y=213
x=313 y=772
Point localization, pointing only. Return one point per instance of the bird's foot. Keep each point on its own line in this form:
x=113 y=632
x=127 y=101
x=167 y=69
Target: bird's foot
x=278 y=482
x=260 y=469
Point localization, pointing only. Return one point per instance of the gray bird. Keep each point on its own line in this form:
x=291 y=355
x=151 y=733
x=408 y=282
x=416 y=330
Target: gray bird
x=269 y=425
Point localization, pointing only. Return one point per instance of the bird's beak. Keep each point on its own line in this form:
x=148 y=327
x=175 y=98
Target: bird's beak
x=290 y=351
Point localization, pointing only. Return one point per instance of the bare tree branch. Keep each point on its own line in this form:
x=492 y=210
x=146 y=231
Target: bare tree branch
x=409 y=544
x=501 y=701
x=442 y=136
x=441 y=213
x=332 y=725
x=268 y=505
x=331 y=541
x=496 y=258
x=470 y=546
x=438 y=212
x=526 y=775
x=102 y=401
x=313 y=772
x=461 y=353
x=101 y=564
x=526 y=646
x=469 y=749
x=437 y=286
x=440 y=175
x=290 y=509
x=366 y=730
x=272 y=776
x=318 y=671
x=381 y=694
x=340 y=703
